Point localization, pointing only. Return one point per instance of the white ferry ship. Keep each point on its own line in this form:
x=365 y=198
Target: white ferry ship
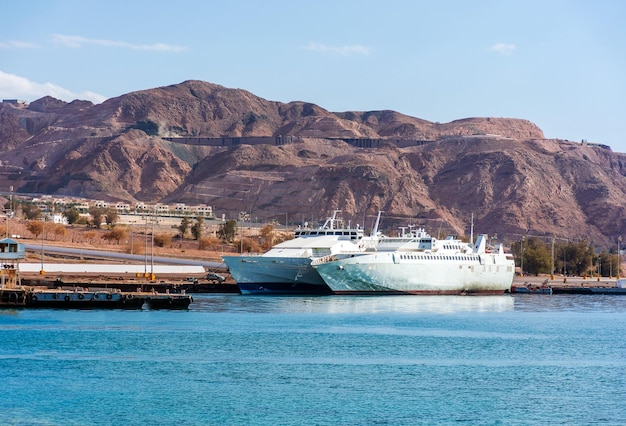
x=417 y=263
x=286 y=267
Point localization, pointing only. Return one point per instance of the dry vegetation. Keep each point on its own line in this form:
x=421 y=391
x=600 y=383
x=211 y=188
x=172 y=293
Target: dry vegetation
x=207 y=248
x=119 y=238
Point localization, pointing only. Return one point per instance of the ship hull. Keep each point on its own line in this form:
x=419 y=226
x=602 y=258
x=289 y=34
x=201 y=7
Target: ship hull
x=275 y=275
x=283 y=288
x=286 y=268
x=397 y=273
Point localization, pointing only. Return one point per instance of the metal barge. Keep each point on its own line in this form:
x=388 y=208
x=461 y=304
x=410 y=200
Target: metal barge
x=37 y=297
x=15 y=295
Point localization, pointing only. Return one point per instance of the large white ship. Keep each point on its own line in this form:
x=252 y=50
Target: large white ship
x=417 y=263
x=286 y=267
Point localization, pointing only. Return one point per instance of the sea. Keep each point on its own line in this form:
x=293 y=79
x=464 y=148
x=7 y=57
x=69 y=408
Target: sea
x=320 y=360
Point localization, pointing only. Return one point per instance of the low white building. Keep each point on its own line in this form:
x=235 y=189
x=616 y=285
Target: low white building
x=122 y=208
x=57 y=218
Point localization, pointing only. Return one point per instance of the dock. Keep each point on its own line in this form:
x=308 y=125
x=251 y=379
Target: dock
x=131 y=283
x=569 y=285
x=13 y=294
x=77 y=298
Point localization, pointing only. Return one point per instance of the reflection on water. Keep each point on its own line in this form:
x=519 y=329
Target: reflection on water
x=407 y=304
x=352 y=304
x=569 y=303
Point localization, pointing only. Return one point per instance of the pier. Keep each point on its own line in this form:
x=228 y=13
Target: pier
x=13 y=294
x=131 y=283
x=80 y=298
x=569 y=285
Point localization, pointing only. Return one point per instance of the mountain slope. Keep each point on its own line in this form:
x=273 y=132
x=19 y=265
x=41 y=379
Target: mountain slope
x=500 y=171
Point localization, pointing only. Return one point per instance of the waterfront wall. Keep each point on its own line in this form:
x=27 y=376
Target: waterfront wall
x=110 y=269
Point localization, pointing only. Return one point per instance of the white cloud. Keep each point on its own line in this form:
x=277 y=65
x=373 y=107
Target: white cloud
x=15 y=87
x=503 y=48
x=355 y=49
x=78 y=41
x=15 y=44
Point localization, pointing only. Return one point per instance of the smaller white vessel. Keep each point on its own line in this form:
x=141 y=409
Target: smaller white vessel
x=286 y=267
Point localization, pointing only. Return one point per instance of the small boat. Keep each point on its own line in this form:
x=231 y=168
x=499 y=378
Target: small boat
x=530 y=289
x=168 y=301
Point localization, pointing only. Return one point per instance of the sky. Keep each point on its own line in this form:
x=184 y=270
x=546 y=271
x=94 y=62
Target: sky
x=560 y=64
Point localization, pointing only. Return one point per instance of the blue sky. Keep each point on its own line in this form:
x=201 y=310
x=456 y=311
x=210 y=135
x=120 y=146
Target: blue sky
x=559 y=64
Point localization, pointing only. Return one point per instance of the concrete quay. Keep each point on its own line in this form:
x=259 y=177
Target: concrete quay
x=570 y=285
x=173 y=284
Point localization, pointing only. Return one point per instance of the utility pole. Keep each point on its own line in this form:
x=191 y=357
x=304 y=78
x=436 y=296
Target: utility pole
x=9 y=211
x=152 y=276
x=619 y=256
x=43 y=231
x=522 y=260
x=145 y=247
x=552 y=259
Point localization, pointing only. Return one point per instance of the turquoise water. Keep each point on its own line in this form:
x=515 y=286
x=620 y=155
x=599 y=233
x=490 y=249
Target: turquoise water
x=393 y=360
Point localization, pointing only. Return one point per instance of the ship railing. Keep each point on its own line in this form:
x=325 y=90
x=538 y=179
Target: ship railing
x=104 y=290
x=243 y=256
x=323 y=259
x=75 y=289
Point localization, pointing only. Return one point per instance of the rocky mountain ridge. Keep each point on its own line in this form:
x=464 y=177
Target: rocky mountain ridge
x=501 y=171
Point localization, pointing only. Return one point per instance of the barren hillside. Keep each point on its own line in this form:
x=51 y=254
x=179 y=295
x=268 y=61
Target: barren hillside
x=501 y=171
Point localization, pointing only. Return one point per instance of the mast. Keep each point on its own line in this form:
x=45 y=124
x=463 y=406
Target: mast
x=375 y=230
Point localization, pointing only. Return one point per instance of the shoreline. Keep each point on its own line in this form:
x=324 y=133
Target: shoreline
x=561 y=281
x=197 y=283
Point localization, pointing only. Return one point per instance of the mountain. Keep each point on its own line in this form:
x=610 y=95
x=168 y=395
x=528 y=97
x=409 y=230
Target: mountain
x=197 y=142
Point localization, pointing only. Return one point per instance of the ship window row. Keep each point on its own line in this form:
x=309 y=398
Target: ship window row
x=451 y=247
x=353 y=235
x=491 y=268
x=433 y=257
